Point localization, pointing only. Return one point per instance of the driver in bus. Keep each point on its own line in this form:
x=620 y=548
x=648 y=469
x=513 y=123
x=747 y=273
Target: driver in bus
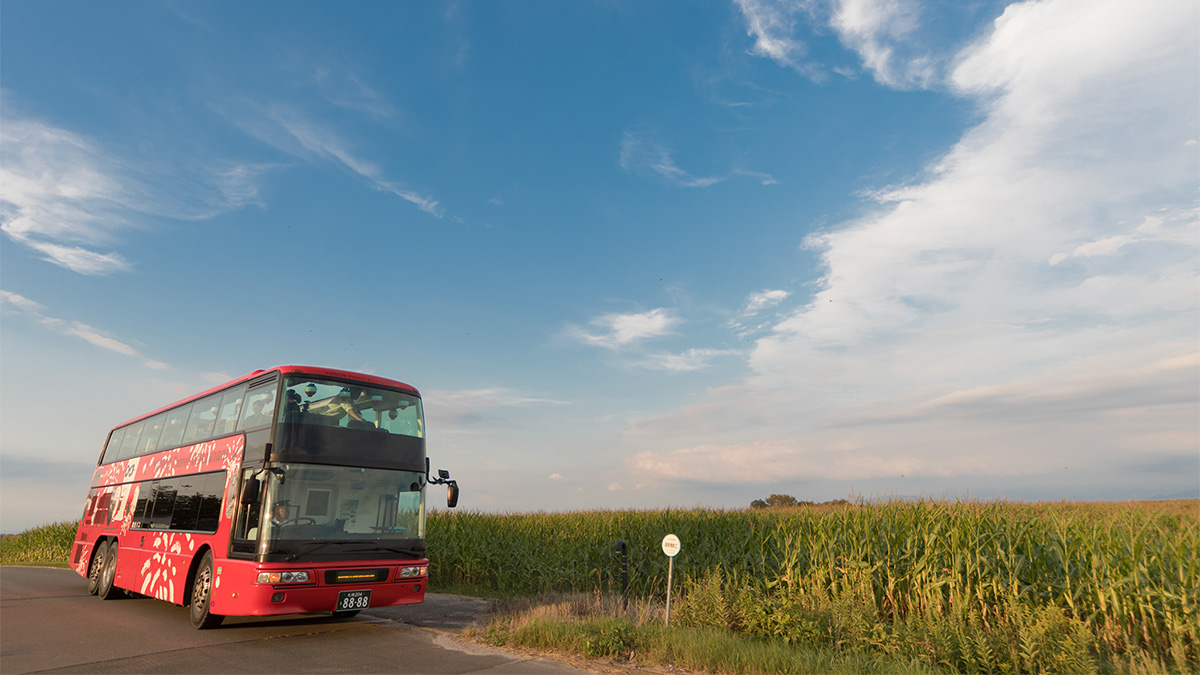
x=279 y=515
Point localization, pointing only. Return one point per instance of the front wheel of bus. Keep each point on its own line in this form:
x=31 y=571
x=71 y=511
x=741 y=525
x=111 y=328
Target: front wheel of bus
x=202 y=596
x=106 y=588
x=99 y=555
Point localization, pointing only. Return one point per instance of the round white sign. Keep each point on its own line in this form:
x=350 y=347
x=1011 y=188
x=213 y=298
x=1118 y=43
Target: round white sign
x=671 y=545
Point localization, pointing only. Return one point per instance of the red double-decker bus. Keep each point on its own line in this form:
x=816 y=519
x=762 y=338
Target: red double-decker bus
x=289 y=490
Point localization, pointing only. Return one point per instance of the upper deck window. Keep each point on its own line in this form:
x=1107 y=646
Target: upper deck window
x=331 y=403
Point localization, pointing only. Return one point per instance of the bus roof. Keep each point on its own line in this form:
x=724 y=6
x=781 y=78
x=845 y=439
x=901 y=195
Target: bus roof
x=286 y=370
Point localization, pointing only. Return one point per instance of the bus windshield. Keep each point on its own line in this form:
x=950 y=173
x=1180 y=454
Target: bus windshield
x=316 y=502
x=329 y=403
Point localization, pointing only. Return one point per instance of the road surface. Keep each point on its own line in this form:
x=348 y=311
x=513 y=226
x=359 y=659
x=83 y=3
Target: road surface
x=49 y=624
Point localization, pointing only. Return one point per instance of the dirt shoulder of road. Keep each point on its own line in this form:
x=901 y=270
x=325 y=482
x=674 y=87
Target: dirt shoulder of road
x=454 y=614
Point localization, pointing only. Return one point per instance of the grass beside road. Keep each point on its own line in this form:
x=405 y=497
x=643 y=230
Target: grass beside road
x=45 y=546
x=598 y=628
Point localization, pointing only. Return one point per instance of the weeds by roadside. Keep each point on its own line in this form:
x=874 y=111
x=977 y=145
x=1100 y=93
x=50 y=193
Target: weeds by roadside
x=596 y=627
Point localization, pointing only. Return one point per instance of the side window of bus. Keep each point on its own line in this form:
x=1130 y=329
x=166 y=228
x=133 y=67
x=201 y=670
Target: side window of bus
x=211 y=492
x=188 y=493
x=172 y=435
x=261 y=407
x=204 y=416
x=227 y=416
x=164 y=504
x=150 y=434
x=183 y=503
x=145 y=504
x=133 y=432
x=112 y=449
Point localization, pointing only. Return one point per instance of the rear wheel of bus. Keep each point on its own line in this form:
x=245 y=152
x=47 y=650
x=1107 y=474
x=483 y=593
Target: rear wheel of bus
x=106 y=587
x=199 y=613
x=99 y=555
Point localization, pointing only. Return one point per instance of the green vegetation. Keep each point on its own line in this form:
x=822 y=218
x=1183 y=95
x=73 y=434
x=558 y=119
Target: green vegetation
x=594 y=627
x=900 y=587
x=45 y=546
x=968 y=587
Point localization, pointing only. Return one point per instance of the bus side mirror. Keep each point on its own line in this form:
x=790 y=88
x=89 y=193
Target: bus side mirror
x=452 y=495
x=250 y=491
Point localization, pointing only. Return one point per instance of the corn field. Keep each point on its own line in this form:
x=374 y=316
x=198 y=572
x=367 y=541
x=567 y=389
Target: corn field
x=1126 y=574
x=46 y=544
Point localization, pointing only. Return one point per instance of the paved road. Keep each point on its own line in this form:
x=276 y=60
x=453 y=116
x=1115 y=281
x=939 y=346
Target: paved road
x=48 y=623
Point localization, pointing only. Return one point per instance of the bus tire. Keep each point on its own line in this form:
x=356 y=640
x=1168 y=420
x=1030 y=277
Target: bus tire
x=107 y=588
x=199 y=612
x=99 y=555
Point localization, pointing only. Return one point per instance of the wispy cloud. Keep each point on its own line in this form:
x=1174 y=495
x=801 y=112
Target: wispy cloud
x=292 y=131
x=773 y=24
x=69 y=199
x=886 y=36
x=59 y=196
x=615 y=331
x=686 y=361
x=760 y=300
x=464 y=409
x=883 y=34
x=1046 y=264
x=13 y=302
x=1153 y=229
x=348 y=90
x=642 y=156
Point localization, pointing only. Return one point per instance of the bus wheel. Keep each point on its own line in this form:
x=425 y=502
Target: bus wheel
x=99 y=555
x=202 y=596
x=106 y=588
x=346 y=614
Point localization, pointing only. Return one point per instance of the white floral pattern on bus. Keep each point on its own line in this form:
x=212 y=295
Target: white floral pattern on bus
x=161 y=572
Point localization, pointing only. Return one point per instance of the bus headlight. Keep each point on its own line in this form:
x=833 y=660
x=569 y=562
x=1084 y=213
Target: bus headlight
x=416 y=571
x=283 y=577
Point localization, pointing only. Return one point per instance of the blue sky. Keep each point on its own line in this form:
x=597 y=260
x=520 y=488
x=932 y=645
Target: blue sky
x=633 y=254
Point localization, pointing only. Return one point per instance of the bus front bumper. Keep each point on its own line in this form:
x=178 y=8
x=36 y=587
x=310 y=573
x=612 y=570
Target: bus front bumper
x=238 y=594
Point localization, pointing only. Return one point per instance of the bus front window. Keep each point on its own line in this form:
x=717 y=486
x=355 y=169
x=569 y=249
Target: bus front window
x=330 y=403
x=317 y=502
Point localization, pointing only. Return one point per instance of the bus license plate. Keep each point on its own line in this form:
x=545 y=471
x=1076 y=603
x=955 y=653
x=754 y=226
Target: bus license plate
x=348 y=600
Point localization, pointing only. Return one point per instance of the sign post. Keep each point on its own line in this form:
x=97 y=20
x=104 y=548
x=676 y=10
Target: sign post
x=671 y=547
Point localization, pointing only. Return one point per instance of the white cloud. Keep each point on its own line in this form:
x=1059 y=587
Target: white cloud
x=298 y=134
x=65 y=196
x=686 y=361
x=555 y=476
x=773 y=25
x=758 y=301
x=58 y=193
x=940 y=341
x=622 y=330
x=882 y=33
x=76 y=329
x=640 y=155
x=464 y=409
x=20 y=302
x=1151 y=230
x=886 y=36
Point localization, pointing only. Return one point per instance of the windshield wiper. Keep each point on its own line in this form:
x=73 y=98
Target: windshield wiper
x=406 y=551
x=316 y=546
